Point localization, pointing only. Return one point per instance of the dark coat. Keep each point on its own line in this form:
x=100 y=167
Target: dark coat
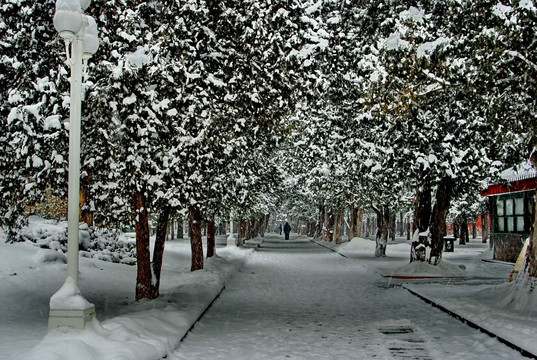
x=287 y=228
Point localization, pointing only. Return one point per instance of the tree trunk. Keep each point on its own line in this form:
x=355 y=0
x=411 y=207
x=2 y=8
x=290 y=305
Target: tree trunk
x=86 y=215
x=383 y=226
x=338 y=227
x=323 y=220
x=532 y=250
x=180 y=230
x=422 y=206
x=241 y=228
x=211 y=239
x=158 y=250
x=195 y=239
x=264 y=225
x=247 y=227
x=392 y=227
x=250 y=226
x=256 y=228
x=328 y=226
x=312 y=228
x=462 y=231
x=422 y=220
x=318 y=232
x=438 y=219
x=353 y=214
x=172 y=229
x=356 y=219
x=465 y=229
x=359 y=220
x=373 y=225
x=143 y=260
x=484 y=228
x=402 y=222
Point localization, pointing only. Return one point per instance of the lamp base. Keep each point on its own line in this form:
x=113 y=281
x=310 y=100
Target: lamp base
x=71 y=318
x=231 y=241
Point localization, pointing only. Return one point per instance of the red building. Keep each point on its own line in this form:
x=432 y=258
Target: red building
x=512 y=206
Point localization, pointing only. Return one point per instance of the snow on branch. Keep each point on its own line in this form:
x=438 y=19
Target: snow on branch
x=436 y=78
x=315 y=7
x=522 y=57
x=428 y=48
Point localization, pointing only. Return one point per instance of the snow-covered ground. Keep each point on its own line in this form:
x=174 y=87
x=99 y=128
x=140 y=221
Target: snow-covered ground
x=292 y=299
x=124 y=329
x=472 y=287
x=297 y=300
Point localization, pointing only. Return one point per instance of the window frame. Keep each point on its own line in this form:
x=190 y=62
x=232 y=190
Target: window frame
x=510 y=222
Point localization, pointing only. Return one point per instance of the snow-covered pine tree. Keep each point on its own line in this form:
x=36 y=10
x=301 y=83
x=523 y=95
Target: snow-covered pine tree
x=439 y=135
x=126 y=147
x=259 y=44
x=33 y=109
x=314 y=159
x=337 y=143
x=506 y=56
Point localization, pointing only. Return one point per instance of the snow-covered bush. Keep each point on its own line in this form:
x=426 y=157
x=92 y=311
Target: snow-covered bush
x=101 y=244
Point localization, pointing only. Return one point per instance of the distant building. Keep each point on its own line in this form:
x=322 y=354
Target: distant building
x=512 y=205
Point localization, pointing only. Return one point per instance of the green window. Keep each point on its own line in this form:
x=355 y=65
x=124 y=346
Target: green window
x=512 y=213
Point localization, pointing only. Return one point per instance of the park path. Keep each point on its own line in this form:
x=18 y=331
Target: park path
x=297 y=300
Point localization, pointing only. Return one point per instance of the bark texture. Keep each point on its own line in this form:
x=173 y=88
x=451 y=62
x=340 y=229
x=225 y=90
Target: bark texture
x=402 y=224
x=422 y=220
x=463 y=227
x=180 y=228
x=158 y=250
x=392 y=227
x=195 y=239
x=86 y=215
x=422 y=206
x=211 y=239
x=383 y=226
x=143 y=276
x=319 y=230
x=438 y=219
x=328 y=226
x=241 y=232
x=338 y=227
x=356 y=219
x=485 y=228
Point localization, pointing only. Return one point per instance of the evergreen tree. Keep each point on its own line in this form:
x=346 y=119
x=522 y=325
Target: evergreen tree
x=33 y=109
x=506 y=56
x=440 y=137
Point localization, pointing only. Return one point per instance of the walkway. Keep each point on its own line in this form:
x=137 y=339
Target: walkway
x=297 y=300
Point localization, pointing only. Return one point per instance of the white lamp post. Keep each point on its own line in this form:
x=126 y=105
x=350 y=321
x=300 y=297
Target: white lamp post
x=231 y=241
x=67 y=306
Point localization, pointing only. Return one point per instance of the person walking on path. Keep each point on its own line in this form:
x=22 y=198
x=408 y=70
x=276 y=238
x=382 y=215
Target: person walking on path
x=280 y=229
x=287 y=230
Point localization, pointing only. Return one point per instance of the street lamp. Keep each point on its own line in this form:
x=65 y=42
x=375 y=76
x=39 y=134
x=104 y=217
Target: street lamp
x=67 y=306
x=231 y=241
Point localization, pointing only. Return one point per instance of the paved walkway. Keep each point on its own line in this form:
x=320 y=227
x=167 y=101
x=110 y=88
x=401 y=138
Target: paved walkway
x=297 y=300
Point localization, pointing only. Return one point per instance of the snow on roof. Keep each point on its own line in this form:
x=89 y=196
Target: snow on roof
x=520 y=172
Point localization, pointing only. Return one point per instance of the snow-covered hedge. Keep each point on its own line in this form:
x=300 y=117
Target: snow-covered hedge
x=102 y=244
